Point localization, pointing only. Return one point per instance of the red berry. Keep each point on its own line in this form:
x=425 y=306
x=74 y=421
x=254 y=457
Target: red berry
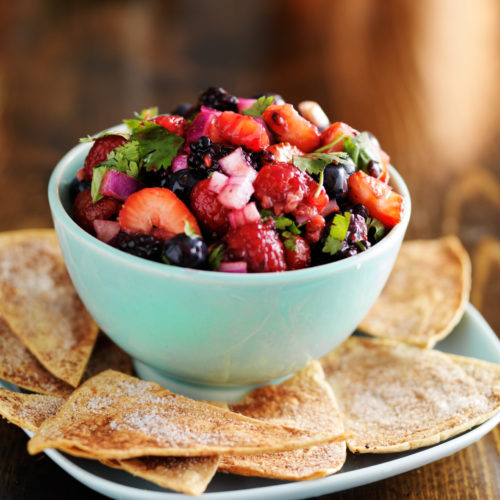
x=242 y=130
x=381 y=201
x=297 y=252
x=174 y=123
x=85 y=211
x=285 y=121
x=99 y=152
x=155 y=207
x=258 y=245
x=286 y=189
x=208 y=210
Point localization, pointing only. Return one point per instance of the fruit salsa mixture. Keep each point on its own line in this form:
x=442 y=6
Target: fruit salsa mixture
x=237 y=185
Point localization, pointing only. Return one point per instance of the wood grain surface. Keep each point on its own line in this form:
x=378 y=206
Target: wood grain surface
x=422 y=76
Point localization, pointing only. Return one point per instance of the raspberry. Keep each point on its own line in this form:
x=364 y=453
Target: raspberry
x=208 y=211
x=286 y=189
x=258 y=245
x=297 y=252
x=85 y=211
x=99 y=152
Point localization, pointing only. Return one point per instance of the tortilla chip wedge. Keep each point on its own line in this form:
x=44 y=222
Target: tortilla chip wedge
x=33 y=278
x=115 y=416
x=305 y=401
x=28 y=410
x=397 y=397
x=425 y=295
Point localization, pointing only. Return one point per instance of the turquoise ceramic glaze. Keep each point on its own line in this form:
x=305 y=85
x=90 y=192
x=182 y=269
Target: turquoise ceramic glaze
x=218 y=329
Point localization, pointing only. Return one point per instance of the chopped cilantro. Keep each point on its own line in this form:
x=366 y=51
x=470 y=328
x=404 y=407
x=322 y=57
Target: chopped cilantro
x=215 y=257
x=315 y=163
x=286 y=224
x=289 y=242
x=264 y=214
x=97 y=178
x=337 y=234
x=361 y=150
x=259 y=106
x=377 y=228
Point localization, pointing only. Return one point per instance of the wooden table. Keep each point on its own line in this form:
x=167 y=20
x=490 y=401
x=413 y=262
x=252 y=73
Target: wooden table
x=72 y=68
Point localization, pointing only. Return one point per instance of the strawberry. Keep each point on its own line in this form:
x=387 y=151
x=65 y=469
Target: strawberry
x=257 y=244
x=283 y=152
x=385 y=161
x=285 y=121
x=99 y=152
x=207 y=209
x=297 y=252
x=85 y=212
x=155 y=207
x=381 y=201
x=242 y=130
x=174 y=123
x=334 y=132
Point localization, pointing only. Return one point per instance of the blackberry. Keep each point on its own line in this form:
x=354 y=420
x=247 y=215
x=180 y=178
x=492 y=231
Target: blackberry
x=218 y=98
x=141 y=245
x=185 y=109
x=205 y=154
x=184 y=251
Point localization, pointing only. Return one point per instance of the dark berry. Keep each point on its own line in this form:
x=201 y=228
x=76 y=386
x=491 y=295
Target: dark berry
x=77 y=186
x=349 y=166
x=335 y=181
x=141 y=245
x=154 y=178
x=182 y=182
x=374 y=168
x=360 y=209
x=184 y=251
x=218 y=98
x=277 y=98
x=99 y=152
x=185 y=109
x=204 y=155
x=85 y=211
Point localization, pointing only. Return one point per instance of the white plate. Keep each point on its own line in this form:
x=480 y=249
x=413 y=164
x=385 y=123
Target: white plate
x=472 y=337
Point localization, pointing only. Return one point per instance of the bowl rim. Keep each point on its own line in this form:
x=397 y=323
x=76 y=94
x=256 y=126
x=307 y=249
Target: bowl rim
x=60 y=214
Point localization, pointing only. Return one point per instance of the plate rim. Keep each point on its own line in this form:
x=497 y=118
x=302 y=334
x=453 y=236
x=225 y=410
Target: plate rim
x=300 y=489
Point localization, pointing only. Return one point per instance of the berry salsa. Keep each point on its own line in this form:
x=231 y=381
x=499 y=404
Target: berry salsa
x=237 y=185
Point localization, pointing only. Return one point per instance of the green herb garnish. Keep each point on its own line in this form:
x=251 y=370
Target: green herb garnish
x=289 y=242
x=377 y=228
x=215 y=257
x=259 y=106
x=189 y=231
x=337 y=234
x=362 y=150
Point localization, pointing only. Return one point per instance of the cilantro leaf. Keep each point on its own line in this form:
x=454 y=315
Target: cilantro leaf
x=286 y=224
x=315 y=163
x=264 y=214
x=215 y=257
x=97 y=177
x=189 y=231
x=337 y=234
x=157 y=145
x=289 y=242
x=377 y=227
x=149 y=113
x=362 y=150
x=259 y=106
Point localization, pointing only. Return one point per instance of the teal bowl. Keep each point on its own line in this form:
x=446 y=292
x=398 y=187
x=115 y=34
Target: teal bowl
x=200 y=332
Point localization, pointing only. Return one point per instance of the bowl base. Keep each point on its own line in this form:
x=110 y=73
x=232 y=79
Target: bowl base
x=227 y=394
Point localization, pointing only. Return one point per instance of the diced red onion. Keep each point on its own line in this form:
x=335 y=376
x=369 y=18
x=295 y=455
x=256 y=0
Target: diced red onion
x=246 y=215
x=106 y=230
x=239 y=266
x=119 y=185
x=245 y=103
x=217 y=182
x=179 y=163
x=201 y=124
x=236 y=164
x=236 y=193
x=330 y=208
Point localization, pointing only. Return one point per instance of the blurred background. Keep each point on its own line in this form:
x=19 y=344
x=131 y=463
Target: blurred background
x=422 y=76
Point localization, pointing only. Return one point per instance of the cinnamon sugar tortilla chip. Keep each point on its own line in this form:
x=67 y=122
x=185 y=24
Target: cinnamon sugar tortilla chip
x=38 y=301
x=397 y=397
x=305 y=401
x=425 y=295
x=28 y=410
x=115 y=416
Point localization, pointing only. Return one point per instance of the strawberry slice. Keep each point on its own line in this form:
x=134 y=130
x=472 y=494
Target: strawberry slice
x=285 y=121
x=242 y=130
x=381 y=201
x=153 y=208
x=174 y=123
x=334 y=132
x=283 y=152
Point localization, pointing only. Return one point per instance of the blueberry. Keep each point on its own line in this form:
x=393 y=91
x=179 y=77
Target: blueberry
x=335 y=181
x=182 y=182
x=349 y=166
x=184 y=251
x=78 y=186
x=374 y=169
